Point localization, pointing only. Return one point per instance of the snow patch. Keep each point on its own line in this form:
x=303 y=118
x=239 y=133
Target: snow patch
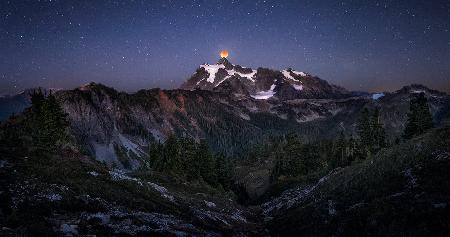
x=93 y=173
x=248 y=76
x=210 y=204
x=162 y=190
x=298 y=87
x=53 y=197
x=118 y=175
x=212 y=70
x=309 y=118
x=264 y=95
x=377 y=96
x=244 y=116
x=292 y=198
x=302 y=74
x=287 y=74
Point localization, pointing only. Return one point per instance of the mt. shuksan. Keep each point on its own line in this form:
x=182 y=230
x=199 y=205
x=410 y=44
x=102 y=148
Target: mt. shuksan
x=261 y=84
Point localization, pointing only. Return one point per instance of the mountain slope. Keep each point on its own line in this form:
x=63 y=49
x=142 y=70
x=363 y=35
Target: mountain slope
x=403 y=190
x=117 y=127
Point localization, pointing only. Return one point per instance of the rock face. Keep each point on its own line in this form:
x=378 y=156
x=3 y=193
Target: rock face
x=117 y=127
x=229 y=106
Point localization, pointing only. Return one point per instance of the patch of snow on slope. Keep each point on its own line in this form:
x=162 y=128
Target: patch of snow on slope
x=53 y=197
x=298 y=87
x=212 y=70
x=244 y=116
x=376 y=96
x=162 y=190
x=287 y=74
x=93 y=173
x=224 y=79
x=302 y=74
x=209 y=204
x=292 y=198
x=264 y=95
x=249 y=76
x=309 y=118
x=232 y=72
x=117 y=175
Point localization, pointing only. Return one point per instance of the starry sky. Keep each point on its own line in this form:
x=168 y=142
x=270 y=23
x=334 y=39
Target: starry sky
x=364 y=45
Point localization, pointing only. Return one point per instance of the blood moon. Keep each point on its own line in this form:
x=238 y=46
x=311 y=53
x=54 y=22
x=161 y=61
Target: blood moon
x=223 y=53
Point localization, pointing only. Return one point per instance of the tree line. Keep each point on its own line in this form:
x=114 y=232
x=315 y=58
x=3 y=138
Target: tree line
x=296 y=158
x=41 y=129
x=186 y=158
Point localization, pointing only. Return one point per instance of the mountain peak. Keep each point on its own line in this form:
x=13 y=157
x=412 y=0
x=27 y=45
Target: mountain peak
x=224 y=61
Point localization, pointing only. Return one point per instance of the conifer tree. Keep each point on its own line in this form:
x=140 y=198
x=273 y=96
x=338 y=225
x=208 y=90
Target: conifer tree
x=48 y=121
x=224 y=171
x=295 y=164
x=377 y=130
x=171 y=155
x=207 y=163
x=419 y=117
x=364 y=130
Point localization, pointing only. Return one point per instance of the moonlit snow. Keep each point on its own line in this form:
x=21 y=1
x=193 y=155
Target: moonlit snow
x=264 y=95
x=298 y=87
x=377 y=96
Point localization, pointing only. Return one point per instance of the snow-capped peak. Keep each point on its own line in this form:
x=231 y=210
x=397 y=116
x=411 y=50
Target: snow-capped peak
x=231 y=70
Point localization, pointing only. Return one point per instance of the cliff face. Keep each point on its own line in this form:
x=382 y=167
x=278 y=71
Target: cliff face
x=117 y=127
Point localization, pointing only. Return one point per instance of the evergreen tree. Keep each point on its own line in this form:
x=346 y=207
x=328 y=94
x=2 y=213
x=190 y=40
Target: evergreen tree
x=191 y=162
x=340 y=153
x=224 y=171
x=156 y=155
x=419 y=117
x=47 y=122
x=294 y=164
x=172 y=160
x=377 y=131
x=206 y=162
x=364 y=129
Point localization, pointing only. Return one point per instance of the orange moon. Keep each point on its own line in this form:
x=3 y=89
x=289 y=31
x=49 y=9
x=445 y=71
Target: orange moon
x=223 y=54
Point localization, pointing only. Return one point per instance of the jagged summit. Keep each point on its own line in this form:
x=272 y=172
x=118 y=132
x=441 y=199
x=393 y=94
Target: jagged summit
x=260 y=84
x=226 y=63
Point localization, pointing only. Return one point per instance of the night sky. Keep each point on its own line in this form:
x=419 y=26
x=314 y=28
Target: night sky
x=361 y=45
